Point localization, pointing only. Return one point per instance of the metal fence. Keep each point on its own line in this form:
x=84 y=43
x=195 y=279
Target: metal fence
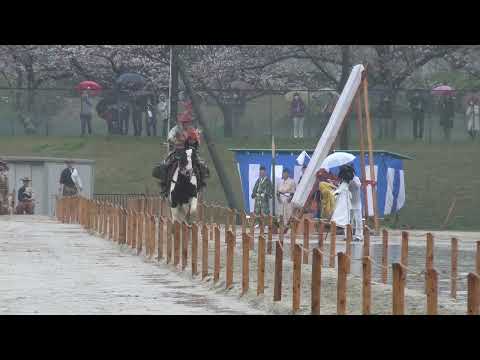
x=55 y=112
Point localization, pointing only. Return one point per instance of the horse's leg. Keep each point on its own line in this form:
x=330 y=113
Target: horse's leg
x=193 y=209
x=177 y=214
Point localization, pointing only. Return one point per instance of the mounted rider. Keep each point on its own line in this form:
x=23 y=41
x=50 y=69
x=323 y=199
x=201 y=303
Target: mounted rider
x=182 y=137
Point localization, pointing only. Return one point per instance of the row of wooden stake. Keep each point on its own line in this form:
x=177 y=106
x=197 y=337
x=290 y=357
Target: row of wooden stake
x=138 y=228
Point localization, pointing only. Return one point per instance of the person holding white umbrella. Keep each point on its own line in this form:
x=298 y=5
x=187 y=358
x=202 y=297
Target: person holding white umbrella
x=343 y=203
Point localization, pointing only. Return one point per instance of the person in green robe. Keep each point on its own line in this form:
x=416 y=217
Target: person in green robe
x=262 y=193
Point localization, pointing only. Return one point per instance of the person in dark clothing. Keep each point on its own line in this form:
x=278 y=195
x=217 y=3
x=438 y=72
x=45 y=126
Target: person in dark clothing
x=447 y=112
x=86 y=109
x=70 y=180
x=417 y=106
x=151 y=118
x=26 y=204
x=297 y=112
x=137 y=113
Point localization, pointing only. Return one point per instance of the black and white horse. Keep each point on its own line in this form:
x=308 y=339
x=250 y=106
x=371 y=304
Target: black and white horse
x=183 y=191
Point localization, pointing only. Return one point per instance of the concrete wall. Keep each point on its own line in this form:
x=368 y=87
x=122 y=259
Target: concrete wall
x=45 y=175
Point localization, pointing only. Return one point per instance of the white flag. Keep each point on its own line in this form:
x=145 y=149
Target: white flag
x=301 y=157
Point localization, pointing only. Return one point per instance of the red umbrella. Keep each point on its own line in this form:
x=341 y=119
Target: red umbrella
x=94 y=87
x=443 y=90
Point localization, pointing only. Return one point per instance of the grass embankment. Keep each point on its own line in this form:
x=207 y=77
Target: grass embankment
x=124 y=164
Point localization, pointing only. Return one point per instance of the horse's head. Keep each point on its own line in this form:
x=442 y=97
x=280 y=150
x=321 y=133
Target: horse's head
x=185 y=162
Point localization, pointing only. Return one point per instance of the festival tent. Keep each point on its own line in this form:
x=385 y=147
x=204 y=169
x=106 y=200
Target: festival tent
x=390 y=175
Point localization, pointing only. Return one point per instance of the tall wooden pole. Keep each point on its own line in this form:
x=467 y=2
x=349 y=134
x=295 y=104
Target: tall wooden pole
x=370 y=153
x=362 y=154
x=274 y=163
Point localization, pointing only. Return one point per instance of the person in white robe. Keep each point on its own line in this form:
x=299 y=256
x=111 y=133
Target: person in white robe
x=285 y=190
x=356 y=209
x=343 y=202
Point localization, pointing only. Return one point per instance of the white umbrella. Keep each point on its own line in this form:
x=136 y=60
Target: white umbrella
x=337 y=159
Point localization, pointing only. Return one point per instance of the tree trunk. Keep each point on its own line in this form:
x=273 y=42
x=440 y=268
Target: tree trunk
x=227 y=112
x=222 y=175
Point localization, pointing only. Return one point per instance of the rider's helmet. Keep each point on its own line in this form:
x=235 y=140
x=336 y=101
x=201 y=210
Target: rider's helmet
x=185 y=118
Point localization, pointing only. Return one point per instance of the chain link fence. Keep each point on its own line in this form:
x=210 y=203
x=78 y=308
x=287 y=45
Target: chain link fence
x=56 y=112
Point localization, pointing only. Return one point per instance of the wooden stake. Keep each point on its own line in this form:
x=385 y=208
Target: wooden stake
x=194 y=249
x=384 y=256
x=348 y=247
x=169 y=240
x=270 y=235
x=366 y=241
x=293 y=236
x=366 y=285
x=261 y=266
x=297 y=277
x=216 y=264
x=428 y=259
x=473 y=301
x=398 y=291
x=140 y=224
x=153 y=232
x=252 y=232
x=277 y=281
x=204 y=251
x=432 y=292
x=262 y=225
x=134 y=229
x=333 y=243
x=185 y=241
x=230 y=254
x=234 y=222
x=244 y=223
x=306 y=239
x=245 y=263
x=316 y=280
x=453 y=272
x=342 y=285
x=176 y=243
x=161 y=237
x=477 y=261
x=404 y=251
x=123 y=227
x=321 y=230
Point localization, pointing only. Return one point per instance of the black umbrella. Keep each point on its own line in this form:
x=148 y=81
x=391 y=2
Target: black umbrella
x=131 y=82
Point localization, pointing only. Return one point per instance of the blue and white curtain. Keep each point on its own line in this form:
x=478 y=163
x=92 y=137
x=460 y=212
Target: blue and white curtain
x=388 y=172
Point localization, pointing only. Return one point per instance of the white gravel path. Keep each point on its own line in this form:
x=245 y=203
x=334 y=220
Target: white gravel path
x=52 y=268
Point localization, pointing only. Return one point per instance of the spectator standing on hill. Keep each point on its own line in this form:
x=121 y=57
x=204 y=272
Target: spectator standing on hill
x=447 y=112
x=151 y=117
x=162 y=109
x=86 y=110
x=473 y=118
x=297 y=111
x=417 y=106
